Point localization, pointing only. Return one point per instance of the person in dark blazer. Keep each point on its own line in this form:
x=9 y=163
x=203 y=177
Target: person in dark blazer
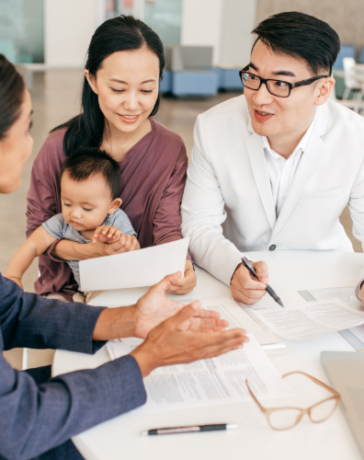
x=38 y=414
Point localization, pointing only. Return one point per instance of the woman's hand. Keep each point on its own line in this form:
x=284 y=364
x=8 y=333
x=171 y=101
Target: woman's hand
x=154 y=307
x=172 y=342
x=184 y=285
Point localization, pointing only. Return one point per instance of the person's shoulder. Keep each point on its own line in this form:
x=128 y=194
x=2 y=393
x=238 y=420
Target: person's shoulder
x=52 y=151
x=55 y=225
x=343 y=117
x=233 y=106
x=163 y=133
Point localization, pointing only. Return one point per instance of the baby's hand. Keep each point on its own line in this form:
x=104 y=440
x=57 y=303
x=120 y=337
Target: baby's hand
x=106 y=234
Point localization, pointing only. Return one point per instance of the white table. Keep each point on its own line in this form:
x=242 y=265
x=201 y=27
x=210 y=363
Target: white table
x=289 y=272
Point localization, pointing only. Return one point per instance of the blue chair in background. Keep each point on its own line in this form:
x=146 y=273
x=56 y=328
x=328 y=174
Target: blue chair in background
x=361 y=56
x=229 y=79
x=166 y=83
x=345 y=51
x=191 y=71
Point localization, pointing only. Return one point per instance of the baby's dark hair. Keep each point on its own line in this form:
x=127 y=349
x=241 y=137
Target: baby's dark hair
x=88 y=161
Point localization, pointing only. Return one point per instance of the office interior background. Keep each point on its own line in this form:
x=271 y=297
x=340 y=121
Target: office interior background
x=48 y=40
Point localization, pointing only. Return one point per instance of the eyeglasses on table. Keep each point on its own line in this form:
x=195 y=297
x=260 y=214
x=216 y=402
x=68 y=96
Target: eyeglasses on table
x=285 y=418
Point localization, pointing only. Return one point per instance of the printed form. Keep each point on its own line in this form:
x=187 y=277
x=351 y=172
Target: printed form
x=211 y=381
x=310 y=320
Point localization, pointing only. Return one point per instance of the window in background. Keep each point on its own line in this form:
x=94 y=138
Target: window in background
x=21 y=30
x=164 y=17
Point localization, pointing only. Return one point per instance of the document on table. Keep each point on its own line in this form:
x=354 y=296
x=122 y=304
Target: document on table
x=354 y=335
x=310 y=320
x=237 y=317
x=144 y=267
x=211 y=381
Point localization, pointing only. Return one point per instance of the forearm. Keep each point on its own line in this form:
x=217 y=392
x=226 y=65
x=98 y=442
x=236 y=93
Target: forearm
x=21 y=261
x=115 y=323
x=69 y=250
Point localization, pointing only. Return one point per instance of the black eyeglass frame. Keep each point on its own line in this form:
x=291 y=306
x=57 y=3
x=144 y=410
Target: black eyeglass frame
x=265 y=80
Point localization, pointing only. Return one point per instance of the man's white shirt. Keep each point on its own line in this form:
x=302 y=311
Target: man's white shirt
x=228 y=207
x=281 y=170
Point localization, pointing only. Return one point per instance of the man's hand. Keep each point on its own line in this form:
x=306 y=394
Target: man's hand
x=186 y=284
x=172 y=342
x=154 y=307
x=247 y=289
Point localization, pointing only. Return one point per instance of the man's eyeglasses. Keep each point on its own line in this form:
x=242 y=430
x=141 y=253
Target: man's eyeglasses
x=284 y=418
x=277 y=88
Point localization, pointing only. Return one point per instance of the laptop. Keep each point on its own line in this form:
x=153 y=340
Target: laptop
x=345 y=371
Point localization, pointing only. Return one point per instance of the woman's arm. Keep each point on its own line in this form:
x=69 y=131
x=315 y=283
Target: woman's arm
x=167 y=220
x=34 y=246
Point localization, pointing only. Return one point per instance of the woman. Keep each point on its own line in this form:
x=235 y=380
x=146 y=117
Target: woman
x=38 y=415
x=120 y=95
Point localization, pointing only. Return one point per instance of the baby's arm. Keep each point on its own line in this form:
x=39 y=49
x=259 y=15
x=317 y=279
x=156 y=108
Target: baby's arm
x=110 y=234
x=34 y=246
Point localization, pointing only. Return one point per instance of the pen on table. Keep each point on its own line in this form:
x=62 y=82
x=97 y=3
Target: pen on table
x=252 y=271
x=189 y=429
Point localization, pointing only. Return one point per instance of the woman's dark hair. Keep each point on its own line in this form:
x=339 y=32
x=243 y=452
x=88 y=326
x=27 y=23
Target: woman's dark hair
x=87 y=162
x=118 y=34
x=303 y=36
x=12 y=89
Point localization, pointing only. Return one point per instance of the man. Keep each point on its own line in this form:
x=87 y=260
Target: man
x=274 y=169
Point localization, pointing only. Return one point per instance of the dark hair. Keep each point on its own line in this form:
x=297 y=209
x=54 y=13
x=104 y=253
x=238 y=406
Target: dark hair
x=118 y=34
x=87 y=162
x=12 y=89
x=302 y=36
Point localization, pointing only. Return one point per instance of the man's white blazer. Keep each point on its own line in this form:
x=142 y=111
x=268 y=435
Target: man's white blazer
x=228 y=207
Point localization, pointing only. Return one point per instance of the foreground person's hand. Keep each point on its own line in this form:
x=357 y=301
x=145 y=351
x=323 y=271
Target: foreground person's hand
x=172 y=342
x=187 y=283
x=154 y=307
x=247 y=289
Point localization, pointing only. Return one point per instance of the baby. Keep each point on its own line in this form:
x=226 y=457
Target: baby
x=90 y=189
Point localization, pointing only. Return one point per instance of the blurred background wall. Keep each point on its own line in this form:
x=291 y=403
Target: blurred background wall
x=345 y=16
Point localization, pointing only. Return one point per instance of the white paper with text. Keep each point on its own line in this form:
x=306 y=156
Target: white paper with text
x=308 y=321
x=144 y=267
x=211 y=381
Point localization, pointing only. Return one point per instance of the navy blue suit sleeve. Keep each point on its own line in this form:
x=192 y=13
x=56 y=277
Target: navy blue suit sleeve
x=36 y=418
x=28 y=320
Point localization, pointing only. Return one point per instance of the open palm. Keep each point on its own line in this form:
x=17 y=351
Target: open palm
x=154 y=307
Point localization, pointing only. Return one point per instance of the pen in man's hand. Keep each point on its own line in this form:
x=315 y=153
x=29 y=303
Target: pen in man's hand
x=251 y=270
x=189 y=429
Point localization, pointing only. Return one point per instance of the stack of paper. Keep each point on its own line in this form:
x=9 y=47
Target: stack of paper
x=212 y=381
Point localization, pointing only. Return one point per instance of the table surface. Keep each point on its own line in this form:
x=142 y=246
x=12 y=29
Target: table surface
x=290 y=271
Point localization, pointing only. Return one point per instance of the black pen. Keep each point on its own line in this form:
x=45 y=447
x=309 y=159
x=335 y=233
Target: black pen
x=189 y=429
x=252 y=271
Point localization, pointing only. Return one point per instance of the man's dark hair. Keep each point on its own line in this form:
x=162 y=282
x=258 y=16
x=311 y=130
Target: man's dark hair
x=302 y=36
x=87 y=162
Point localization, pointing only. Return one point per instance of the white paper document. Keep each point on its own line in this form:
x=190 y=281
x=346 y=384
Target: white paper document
x=144 y=267
x=237 y=317
x=211 y=381
x=310 y=320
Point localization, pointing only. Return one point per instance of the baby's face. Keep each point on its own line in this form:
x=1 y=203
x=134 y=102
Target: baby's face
x=85 y=204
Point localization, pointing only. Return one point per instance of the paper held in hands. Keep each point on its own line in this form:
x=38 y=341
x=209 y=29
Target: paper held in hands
x=310 y=320
x=211 y=381
x=144 y=267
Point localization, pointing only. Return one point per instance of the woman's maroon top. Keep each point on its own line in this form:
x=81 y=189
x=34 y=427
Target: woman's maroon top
x=153 y=175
